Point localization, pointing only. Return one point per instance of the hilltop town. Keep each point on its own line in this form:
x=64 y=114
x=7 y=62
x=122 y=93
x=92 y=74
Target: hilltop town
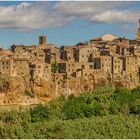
x=45 y=71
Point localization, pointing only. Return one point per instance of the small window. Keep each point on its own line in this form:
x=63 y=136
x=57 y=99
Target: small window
x=91 y=66
x=83 y=66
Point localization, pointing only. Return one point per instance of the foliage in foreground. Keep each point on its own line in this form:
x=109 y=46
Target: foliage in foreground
x=103 y=113
x=114 y=126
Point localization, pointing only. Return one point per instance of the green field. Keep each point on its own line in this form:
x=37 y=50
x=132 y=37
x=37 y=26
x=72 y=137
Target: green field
x=103 y=113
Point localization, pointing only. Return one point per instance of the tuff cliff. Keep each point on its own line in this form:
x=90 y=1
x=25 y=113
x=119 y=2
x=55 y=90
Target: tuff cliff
x=19 y=91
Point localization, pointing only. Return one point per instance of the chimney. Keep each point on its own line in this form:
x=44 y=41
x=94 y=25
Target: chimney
x=42 y=40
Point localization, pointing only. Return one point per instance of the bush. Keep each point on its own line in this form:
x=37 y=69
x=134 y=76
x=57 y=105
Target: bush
x=54 y=67
x=73 y=109
x=135 y=107
x=39 y=113
x=55 y=107
x=123 y=96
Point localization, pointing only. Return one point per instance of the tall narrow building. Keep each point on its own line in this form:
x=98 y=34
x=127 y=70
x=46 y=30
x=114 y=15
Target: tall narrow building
x=138 y=32
x=42 y=40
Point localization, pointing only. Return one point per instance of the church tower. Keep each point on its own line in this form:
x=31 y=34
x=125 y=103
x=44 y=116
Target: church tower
x=42 y=40
x=138 y=32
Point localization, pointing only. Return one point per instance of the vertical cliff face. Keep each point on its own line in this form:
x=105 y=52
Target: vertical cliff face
x=21 y=91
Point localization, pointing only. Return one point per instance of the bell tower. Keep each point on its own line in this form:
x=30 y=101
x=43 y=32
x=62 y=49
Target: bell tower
x=42 y=40
x=138 y=32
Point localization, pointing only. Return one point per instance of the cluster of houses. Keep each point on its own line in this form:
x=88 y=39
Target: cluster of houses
x=115 y=57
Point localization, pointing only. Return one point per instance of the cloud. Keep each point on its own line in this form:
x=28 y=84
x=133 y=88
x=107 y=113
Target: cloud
x=107 y=12
x=28 y=16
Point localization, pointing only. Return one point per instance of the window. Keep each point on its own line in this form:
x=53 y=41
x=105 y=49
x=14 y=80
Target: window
x=83 y=66
x=91 y=66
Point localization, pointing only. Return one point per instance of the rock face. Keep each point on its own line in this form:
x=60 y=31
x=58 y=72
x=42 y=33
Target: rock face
x=19 y=91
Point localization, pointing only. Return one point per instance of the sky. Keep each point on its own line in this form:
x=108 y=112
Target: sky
x=66 y=22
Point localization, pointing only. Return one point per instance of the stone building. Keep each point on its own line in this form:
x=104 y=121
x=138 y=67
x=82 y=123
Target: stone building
x=107 y=56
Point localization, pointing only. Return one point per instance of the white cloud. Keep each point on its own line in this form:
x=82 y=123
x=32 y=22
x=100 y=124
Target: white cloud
x=108 y=12
x=27 y=16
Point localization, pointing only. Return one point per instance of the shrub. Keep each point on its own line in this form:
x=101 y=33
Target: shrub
x=73 y=109
x=114 y=107
x=55 y=107
x=135 y=107
x=39 y=113
x=123 y=96
x=54 y=67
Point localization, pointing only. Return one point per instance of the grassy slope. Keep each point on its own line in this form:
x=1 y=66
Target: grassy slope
x=113 y=126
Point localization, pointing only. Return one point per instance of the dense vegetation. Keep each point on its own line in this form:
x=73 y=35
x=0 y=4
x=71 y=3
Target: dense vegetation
x=103 y=113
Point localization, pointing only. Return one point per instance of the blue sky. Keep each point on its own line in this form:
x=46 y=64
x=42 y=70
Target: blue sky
x=65 y=23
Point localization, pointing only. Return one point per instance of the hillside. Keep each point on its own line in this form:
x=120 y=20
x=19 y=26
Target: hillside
x=102 y=113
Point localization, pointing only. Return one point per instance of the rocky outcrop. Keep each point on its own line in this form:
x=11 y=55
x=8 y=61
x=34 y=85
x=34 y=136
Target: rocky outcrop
x=21 y=91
